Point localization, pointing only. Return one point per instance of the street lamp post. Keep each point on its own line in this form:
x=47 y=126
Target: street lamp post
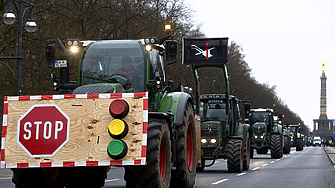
x=30 y=25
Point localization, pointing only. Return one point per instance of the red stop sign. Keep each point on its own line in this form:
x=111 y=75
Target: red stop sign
x=43 y=130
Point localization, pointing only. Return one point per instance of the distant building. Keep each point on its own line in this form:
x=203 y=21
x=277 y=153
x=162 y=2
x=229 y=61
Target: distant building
x=323 y=126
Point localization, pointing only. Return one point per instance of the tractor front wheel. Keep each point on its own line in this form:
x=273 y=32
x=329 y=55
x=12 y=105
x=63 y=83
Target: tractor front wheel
x=157 y=171
x=276 y=146
x=235 y=155
x=184 y=174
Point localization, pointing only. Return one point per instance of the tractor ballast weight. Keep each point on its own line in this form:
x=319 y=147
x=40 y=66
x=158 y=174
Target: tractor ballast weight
x=222 y=133
x=138 y=121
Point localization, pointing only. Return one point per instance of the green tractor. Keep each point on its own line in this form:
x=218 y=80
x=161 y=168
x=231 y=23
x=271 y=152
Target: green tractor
x=215 y=140
x=222 y=133
x=266 y=133
x=167 y=157
x=296 y=137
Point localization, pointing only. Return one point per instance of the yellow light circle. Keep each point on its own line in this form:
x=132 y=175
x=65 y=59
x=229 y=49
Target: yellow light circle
x=116 y=127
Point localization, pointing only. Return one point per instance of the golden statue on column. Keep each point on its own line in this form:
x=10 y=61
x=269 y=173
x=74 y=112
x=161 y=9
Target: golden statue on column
x=323 y=68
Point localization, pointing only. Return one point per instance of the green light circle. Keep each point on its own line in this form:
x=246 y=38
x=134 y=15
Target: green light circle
x=117 y=149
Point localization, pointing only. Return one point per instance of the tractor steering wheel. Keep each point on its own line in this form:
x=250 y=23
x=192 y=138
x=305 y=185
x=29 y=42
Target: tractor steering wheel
x=120 y=78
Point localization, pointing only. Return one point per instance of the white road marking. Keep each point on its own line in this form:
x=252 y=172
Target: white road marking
x=241 y=174
x=265 y=164
x=219 y=181
x=255 y=168
x=278 y=160
x=112 y=180
x=272 y=162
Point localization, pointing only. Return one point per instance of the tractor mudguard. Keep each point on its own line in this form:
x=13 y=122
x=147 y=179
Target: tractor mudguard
x=163 y=115
x=242 y=130
x=246 y=129
x=175 y=102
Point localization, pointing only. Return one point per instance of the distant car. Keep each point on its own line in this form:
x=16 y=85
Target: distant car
x=317 y=141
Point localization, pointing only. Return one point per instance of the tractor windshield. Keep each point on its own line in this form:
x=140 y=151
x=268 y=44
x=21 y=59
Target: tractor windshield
x=114 y=62
x=213 y=110
x=259 y=117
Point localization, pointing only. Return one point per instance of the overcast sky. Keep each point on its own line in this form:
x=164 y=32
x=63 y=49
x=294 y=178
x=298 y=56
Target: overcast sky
x=284 y=42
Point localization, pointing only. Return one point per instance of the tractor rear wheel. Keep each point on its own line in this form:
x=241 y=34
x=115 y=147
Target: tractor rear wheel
x=299 y=145
x=157 y=171
x=184 y=174
x=246 y=154
x=287 y=147
x=235 y=155
x=276 y=146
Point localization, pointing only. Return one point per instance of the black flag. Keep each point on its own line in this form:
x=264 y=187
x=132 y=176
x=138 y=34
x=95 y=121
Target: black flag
x=205 y=50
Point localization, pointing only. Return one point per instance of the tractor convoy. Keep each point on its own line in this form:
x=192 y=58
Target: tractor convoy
x=121 y=111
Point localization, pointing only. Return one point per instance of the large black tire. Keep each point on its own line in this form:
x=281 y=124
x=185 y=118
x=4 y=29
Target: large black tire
x=184 y=174
x=246 y=154
x=157 y=171
x=234 y=155
x=299 y=145
x=287 y=145
x=276 y=146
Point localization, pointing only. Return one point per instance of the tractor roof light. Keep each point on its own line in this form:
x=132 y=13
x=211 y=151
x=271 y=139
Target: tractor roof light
x=118 y=108
x=203 y=141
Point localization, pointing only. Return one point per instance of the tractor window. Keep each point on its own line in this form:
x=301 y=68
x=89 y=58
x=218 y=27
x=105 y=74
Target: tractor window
x=214 y=110
x=156 y=65
x=259 y=117
x=105 y=59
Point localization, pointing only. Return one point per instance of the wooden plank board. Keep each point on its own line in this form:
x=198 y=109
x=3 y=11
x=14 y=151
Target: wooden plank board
x=88 y=137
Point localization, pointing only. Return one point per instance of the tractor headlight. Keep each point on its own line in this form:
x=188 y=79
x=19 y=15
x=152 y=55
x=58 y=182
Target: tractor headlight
x=255 y=136
x=213 y=140
x=203 y=141
x=261 y=136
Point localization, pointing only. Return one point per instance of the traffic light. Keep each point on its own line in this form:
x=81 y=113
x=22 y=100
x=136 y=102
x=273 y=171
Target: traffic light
x=50 y=55
x=118 y=129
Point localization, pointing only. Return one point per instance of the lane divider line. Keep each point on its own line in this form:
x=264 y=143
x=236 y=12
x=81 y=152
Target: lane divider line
x=266 y=164
x=241 y=174
x=256 y=168
x=112 y=180
x=272 y=162
x=219 y=181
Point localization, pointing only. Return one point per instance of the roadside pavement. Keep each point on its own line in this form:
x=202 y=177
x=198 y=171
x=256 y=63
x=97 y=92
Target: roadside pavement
x=330 y=151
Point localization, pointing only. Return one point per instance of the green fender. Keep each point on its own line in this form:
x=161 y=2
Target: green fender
x=242 y=130
x=175 y=102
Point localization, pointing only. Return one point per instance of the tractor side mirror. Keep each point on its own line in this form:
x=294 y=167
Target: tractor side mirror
x=247 y=108
x=171 y=51
x=50 y=55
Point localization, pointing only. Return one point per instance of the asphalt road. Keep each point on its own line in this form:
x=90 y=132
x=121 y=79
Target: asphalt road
x=309 y=168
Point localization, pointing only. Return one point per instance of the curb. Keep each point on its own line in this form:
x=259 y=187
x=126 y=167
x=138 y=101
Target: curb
x=330 y=151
